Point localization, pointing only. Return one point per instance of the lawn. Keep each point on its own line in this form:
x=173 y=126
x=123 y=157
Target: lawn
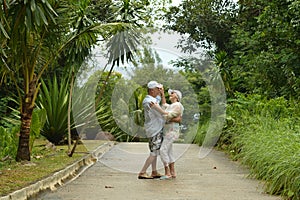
x=44 y=162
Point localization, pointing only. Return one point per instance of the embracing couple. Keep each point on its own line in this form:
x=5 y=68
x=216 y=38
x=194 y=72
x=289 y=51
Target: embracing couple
x=162 y=129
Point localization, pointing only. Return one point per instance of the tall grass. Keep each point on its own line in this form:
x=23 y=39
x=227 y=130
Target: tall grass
x=272 y=150
x=265 y=135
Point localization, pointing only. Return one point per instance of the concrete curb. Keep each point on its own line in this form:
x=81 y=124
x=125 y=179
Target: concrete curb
x=61 y=177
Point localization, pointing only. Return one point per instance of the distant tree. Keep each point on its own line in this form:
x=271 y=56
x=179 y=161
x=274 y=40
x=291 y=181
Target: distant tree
x=209 y=22
x=267 y=45
x=206 y=25
x=260 y=40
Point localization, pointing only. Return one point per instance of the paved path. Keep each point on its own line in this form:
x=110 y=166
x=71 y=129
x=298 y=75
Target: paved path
x=114 y=177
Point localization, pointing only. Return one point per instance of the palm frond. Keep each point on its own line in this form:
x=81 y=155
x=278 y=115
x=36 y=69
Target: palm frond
x=121 y=46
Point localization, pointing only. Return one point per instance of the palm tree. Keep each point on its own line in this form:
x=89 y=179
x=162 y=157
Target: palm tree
x=34 y=33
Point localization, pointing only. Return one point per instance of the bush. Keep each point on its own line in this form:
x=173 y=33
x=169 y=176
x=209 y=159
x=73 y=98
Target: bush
x=9 y=135
x=8 y=141
x=264 y=135
x=271 y=148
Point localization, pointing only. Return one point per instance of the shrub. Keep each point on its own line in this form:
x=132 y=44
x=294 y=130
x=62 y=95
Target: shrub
x=8 y=141
x=264 y=135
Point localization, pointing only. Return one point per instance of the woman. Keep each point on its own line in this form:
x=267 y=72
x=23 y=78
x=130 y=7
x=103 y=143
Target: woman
x=171 y=130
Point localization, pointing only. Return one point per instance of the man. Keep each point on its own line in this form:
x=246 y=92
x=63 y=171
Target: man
x=154 y=123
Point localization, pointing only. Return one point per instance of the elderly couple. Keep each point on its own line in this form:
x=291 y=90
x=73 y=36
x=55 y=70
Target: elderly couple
x=162 y=129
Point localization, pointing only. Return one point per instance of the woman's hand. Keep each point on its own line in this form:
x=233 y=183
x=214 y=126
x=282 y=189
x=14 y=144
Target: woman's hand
x=162 y=93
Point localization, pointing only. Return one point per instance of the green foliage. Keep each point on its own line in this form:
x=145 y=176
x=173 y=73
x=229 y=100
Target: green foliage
x=38 y=121
x=12 y=127
x=54 y=98
x=271 y=151
x=9 y=134
x=103 y=110
x=260 y=38
x=8 y=111
x=267 y=59
x=263 y=134
x=8 y=141
x=35 y=34
x=221 y=61
x=261 y=43
x=101 y=10
x=208 y=23
x=107 y=123
x=132 y=11
x=128 y=111
x=196 y=133
x=121 y=121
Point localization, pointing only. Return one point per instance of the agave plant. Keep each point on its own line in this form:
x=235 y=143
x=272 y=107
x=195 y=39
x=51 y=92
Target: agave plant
x=54 y=99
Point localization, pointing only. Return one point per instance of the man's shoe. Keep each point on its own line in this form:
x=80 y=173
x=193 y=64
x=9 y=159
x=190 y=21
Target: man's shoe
x=157 y=175
x=144 y=176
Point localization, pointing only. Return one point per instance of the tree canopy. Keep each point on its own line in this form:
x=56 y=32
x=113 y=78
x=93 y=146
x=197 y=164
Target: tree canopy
x=260 y=39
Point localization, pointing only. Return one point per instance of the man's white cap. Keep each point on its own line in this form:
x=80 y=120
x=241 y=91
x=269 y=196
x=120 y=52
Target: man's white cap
x=154 y=84
x=177 y=92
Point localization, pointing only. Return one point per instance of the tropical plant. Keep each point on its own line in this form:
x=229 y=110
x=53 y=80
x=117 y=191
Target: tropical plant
x=104 y=112
x=107 y=121
x=7 y=105
x=224 y=71
x=135 y=116
x=263 y=135
x=54 y=98
x=33 y=35
x=8 y=141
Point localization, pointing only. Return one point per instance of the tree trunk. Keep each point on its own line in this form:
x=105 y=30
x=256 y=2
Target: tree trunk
x=23 y=152
x=69 y=112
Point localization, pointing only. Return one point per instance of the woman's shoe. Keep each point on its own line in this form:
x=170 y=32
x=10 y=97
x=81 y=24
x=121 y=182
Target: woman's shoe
x=165 y=177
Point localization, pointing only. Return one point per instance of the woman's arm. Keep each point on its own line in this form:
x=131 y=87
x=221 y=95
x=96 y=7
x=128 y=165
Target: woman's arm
x=157 y=107
x=173 y=115
x=163 y=98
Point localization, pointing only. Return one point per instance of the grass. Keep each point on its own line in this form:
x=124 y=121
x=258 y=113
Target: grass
x=264 y=135
x=44 y=162
x=272 y=151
